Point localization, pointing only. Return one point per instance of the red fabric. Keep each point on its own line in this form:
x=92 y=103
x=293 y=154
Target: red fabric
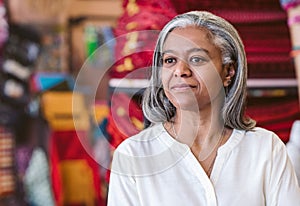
x=149 y=18
x=116 y=135
x=165 y=4
x=188 y=5
x=120 y=125
x=55 y=173
x=262 y=25
x=65 y=145
x=276 y=114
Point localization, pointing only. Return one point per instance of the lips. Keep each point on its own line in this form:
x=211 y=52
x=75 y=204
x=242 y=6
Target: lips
x=183 y=86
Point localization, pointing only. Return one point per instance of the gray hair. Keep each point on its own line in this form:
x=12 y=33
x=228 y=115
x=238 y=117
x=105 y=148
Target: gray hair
x=157 y=107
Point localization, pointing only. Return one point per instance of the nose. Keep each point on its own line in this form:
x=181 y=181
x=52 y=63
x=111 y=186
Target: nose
x=182 y=69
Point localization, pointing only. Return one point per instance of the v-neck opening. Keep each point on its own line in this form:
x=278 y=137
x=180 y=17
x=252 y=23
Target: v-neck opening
x=229 y=145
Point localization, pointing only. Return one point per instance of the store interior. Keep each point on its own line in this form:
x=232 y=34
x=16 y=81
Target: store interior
x=72 y=77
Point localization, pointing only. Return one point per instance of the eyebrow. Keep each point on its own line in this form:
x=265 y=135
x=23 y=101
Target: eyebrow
x=189 y=51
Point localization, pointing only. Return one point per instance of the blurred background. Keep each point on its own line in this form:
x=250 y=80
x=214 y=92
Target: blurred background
x=72 y=73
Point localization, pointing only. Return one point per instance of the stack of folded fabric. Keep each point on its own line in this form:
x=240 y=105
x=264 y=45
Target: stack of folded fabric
x=136 y=33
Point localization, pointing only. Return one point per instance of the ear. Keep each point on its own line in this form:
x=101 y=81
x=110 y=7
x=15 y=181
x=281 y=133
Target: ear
x=229 y=74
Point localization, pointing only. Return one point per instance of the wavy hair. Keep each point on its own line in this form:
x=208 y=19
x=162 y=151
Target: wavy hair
x=157 y=107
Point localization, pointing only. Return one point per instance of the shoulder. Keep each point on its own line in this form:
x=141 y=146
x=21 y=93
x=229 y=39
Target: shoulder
x=260 y=140
x=140 y=154
x=148 y=138
x=263 y=135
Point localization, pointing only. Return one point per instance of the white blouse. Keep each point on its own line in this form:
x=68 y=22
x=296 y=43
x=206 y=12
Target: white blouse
x=251 y=169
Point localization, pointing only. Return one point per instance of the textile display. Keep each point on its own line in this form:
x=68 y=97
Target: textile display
x=31 y=160
x=7 y=171
x=43 y=81
x=125 y=118
x=74 y=174
x=134 y=47
x=276 y=114
x=99 y=46
x=230 y=5
x=62 y=118
x=101 y=148
x=53 y=54
x=20 y=53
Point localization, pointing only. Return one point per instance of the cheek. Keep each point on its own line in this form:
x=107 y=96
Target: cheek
x=211 y=83
x=166 y=76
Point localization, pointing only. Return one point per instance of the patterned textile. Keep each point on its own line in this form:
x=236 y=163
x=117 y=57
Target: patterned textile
x=135 y=36
x=125 y=118
x=232 y=5
x=276 y=114
x=263 y=29
x=7 y=174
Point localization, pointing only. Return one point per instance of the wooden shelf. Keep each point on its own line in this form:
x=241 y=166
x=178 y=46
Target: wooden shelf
x=104 y=8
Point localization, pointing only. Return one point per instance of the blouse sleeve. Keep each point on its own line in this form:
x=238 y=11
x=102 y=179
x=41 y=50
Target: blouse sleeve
x=122 y=187
x=283 y=187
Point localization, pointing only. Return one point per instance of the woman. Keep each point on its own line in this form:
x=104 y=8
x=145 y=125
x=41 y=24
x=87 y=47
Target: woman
x=200 y=148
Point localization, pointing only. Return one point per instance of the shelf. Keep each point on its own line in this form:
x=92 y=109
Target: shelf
x=271 y=83
x=104 y=8
x=130 y=86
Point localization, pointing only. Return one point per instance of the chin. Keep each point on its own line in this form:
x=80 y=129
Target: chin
x=188 y=106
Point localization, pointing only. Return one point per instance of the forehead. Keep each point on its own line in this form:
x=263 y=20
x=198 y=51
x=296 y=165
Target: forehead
x=190 y=36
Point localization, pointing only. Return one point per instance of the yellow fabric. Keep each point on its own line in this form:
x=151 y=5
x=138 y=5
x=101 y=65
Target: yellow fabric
x=100 y=112
x=59 y=111
x=127 y=66
x=77 y=181
x=132 y=8
x=137 y=123
x=131 y=43
x=131 y=26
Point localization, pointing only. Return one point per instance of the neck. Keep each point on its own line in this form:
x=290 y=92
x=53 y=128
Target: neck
x=198 y=127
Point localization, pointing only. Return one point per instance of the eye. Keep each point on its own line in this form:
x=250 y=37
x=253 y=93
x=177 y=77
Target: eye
x=169 y=60
x=197 y=60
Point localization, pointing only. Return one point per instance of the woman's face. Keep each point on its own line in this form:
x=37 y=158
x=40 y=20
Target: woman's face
x=193 y=74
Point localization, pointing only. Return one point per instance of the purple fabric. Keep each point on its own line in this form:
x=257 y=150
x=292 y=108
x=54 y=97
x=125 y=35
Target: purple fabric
x=23 y=155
